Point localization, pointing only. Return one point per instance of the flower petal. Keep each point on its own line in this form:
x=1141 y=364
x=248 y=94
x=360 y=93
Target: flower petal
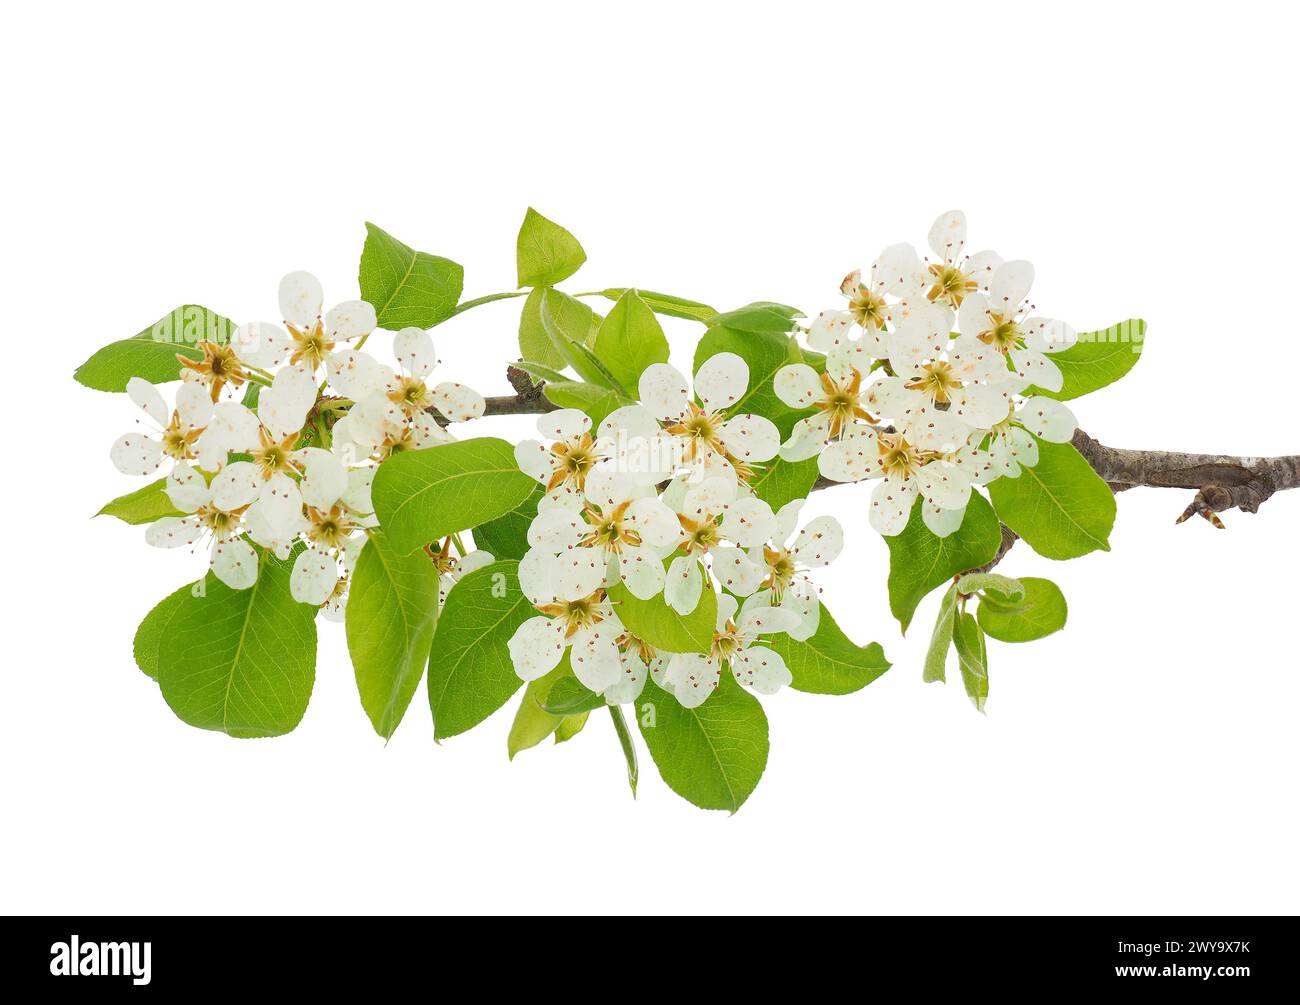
x=948 y=235
x=314 y=576
x=664 y=391
x=762 y=669
x=147 y=397
x=798 y=385
x=350 y=319
x=458 y=402
x=186 y=488
x=356 y=374
x=261 y=343
x=642 y=571
x=737 y=571
x=300 y=299
x=819 y=542
x=1048 y=419
x=536 y=647
x=751 y=438
x=235 y=563
x=173 y=532
x=683 y=585
x=136 y=454
x=236 y=485
x=1010 y=285
x=891 y=505
x=721 y=381
x=943 y=485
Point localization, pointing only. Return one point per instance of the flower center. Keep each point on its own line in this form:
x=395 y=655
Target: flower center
x=780 y=570
x=218 y=367
x=312 y=345
x=726 y=643
x=936 y=381
x=1003 y=334
x=643 y=650
x=578 y=614
x=868 y=309
x=410 y=395
x=842 y=403
x=608 y=531
x=222 y=523
x=573 y=460
x=273 y=457
x=950 y=285
x=701 y=535
x=700 y=431
x=898 y=458
x=396 y=443
x=331 y=528
x=179 y=444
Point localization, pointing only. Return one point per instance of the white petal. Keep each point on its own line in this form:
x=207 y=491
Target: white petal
x=324 y=479
x=1036 y=368
x=350 y=319
x=194 y=405
x=313 y=578
x=595 y=661
x=820 y=542
x=758 y=621
x=761 y=669
x=655 y=522
x=721 y=381
x=283 y=406
x=683 y=585
x=566 y=424
x=709 y=498
x=236 y=485
x=357 y=496
x=280 y=501
x=458 y=402
x=981 y=406
x=536 y=647
x=261 y=344
x=931 y=429
x=356 y=374
x=737 y=571
x=801 y=600
x=413 y=348
x=787 y=521
x=899 y=271
x=922 y=337
x=1048 y=334
x=695 y=677
x=556 y=531
x=535 y=576
x=941 y=522
x=852 y=458
x=663 y=390
x=136 y=454
x=186 y=488
x=829 y=329
x=235 y=563
x=751 y=438
x=973 y=360
x=981 y=266
x=535 y=460
x=1023 y=447
x=943 y=485
x=749 y=522
x=578 y=573
x=807 y=438
x=630 y=684
x=300 y=299
x=891 y=505
x=173 y=532
x=147 y=397
x=642 y=571
x=798 y=385
x=1047 y=418
x=232 y=428
x=1010 y=285
x=948 y=235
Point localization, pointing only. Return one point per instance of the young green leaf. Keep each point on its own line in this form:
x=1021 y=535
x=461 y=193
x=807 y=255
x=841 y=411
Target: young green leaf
x=758 y=318
x=595 y=401
x=240 y=661
x=391 y=613
x=630 y=339
x=1060 y=506
x=972 y=658
x=1040 y=612
x=506 y=536
x=670 y=306
x=713 y=755
x=1097 y=359
x=470 y=671
x=407 y=287
x=572 y=345
x=570 y=726
x=570 y=697
x=625 y=741
x=153 y=629
x=424 y=495
x=936 y=657
x=151 y=355
x=545 y=253
x=144 y=505
x=779 y=482
x=568 y=315
x=533 y=723
x=1004 y=586
x=919 y=561
x=829 y=662
x=658 y=624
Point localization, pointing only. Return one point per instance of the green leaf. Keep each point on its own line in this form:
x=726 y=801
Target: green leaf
x=151 y=354
x=658 y=624
x=533 y=723
x=407 y=287
x=568 y=315
x=391 y=613
x=630 y=339
x=592 y=399
x=423 y=495
x=545 y=253
x=972 y=657
x=540 y=371
x=765 y=353
x=1040 y=612
x=829 y=662
x=779 y=481
x=570 y=726
x=470 y=671
x=713 y=755
x=506 y=536
x=760 y=317
x=1061 y=507
x=629 y=748
x=936 y=656
x=670 y=306
x=153 y=629
x=919 y=561
x=240 y=661
x=1005 y=586
x=1097 y=359
x=570 y=697
x=144 y=505
x=571 y=343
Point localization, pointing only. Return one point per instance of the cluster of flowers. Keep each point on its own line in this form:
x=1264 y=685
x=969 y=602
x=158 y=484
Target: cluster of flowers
x=946 y=412
x=295 y=461
x=657 y=503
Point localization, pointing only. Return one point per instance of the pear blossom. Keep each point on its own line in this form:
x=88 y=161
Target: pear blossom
x=1000 y=321
x=639 y=660
x=718 y=521
x=692 y=677
x=177 y=429
x=836 y=394
x=311 y=339
x=1010 y=446
x=706 y=439
x=332 y=530
x=561 y=465
x=787 y=560
x=906 y=471
x=898 y=273
x=217 y=512
x=219 y=366
x=628 y=527
x=954 y=277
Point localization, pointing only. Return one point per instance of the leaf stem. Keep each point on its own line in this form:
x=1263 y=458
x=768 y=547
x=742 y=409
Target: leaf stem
x=479 y=302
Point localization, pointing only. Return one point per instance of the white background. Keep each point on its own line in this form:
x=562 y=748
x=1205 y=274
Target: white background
x=1142 y=760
